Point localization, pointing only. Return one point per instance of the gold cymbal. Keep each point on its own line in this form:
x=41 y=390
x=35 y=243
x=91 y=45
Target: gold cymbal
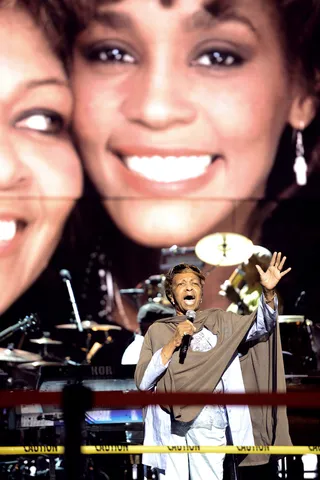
x=89 y=325
x=105 y=328
x=45 y=341
x=42 y=363
x=18 y=356
x=224 y=249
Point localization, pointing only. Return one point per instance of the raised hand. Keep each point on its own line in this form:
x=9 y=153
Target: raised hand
x=273 y=275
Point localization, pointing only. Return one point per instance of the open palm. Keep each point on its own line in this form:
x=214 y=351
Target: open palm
x=273 y=275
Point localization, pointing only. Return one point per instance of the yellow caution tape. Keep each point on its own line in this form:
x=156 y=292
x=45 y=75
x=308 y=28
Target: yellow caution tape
x=136 y=449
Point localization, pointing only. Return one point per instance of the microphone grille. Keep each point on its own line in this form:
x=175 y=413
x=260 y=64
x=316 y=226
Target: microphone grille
x=65 y=274
x=191 y=315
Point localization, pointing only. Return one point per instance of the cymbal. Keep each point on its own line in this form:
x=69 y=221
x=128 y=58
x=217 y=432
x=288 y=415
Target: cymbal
x=41 y=363
x=45 y=341
x=89 y=325
x=290 y=318
x=224 y=249
x=18 y=356
x=105 y=328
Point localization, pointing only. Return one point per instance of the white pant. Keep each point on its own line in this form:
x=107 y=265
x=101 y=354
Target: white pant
x=196 y=466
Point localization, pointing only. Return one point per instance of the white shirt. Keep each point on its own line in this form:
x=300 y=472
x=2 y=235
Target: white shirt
x=132 y=352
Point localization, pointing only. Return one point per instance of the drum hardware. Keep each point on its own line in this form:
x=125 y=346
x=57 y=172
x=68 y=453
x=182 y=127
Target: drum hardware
x=93 y=350
x=113 y=308
x=97 y=336
x=174 y=255
x=131 y=291
x=106 y=286
x=12 y=355
x=135 y=293
x=297 y=319
x=153 y=288
x=297 y=340
x=40 y=363
x=26 y=375
x=45 y=341
x=98 y=267
x=236 y=280
x=175 y=250
x=89 y=325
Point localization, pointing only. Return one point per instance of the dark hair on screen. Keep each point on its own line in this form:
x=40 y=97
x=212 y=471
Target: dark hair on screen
x=300 y=24
x=299 y=35
x=180 y=268
x=60 y=20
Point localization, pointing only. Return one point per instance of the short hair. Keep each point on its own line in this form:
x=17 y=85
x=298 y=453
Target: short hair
x=181 y=268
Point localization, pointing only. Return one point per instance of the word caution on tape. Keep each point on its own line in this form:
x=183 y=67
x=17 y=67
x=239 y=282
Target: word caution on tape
x=136 y=449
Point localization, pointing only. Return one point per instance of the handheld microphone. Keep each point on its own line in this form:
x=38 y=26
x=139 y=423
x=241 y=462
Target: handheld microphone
x=190 y=315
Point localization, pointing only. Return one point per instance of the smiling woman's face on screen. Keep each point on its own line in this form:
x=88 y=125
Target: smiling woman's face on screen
x=40 y=174
x=180 y=103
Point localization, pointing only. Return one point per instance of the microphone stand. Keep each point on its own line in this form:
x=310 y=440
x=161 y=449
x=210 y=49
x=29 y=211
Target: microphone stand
x=66 y=277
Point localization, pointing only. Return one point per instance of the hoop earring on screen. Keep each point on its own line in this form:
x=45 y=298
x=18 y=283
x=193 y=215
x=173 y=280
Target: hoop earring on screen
x=300 y=167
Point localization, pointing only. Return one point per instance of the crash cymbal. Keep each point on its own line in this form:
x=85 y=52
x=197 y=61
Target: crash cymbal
x=45 y=341
x=290 y=318
x=41 y=363
x=105 y=328
x=224 y=249
x=17 y=356
x=89 y=325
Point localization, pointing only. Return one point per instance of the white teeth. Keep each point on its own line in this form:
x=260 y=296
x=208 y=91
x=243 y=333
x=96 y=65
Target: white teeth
x=8 y=230
x=169 y=169
x=190 y=302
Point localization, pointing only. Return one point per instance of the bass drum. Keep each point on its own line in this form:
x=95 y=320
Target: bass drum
x=297 y=344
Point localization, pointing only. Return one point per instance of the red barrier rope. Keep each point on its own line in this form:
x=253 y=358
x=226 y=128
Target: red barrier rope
x=306 y=399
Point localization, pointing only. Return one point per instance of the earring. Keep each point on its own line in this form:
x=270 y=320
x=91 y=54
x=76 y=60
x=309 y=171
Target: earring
x=300 y=165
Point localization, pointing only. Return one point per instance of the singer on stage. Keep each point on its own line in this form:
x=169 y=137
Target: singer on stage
x=198 y=351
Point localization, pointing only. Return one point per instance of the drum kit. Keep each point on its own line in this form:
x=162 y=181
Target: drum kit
x=217 y=250
x=16 y=362
x=43 y=370
x=299 y=352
